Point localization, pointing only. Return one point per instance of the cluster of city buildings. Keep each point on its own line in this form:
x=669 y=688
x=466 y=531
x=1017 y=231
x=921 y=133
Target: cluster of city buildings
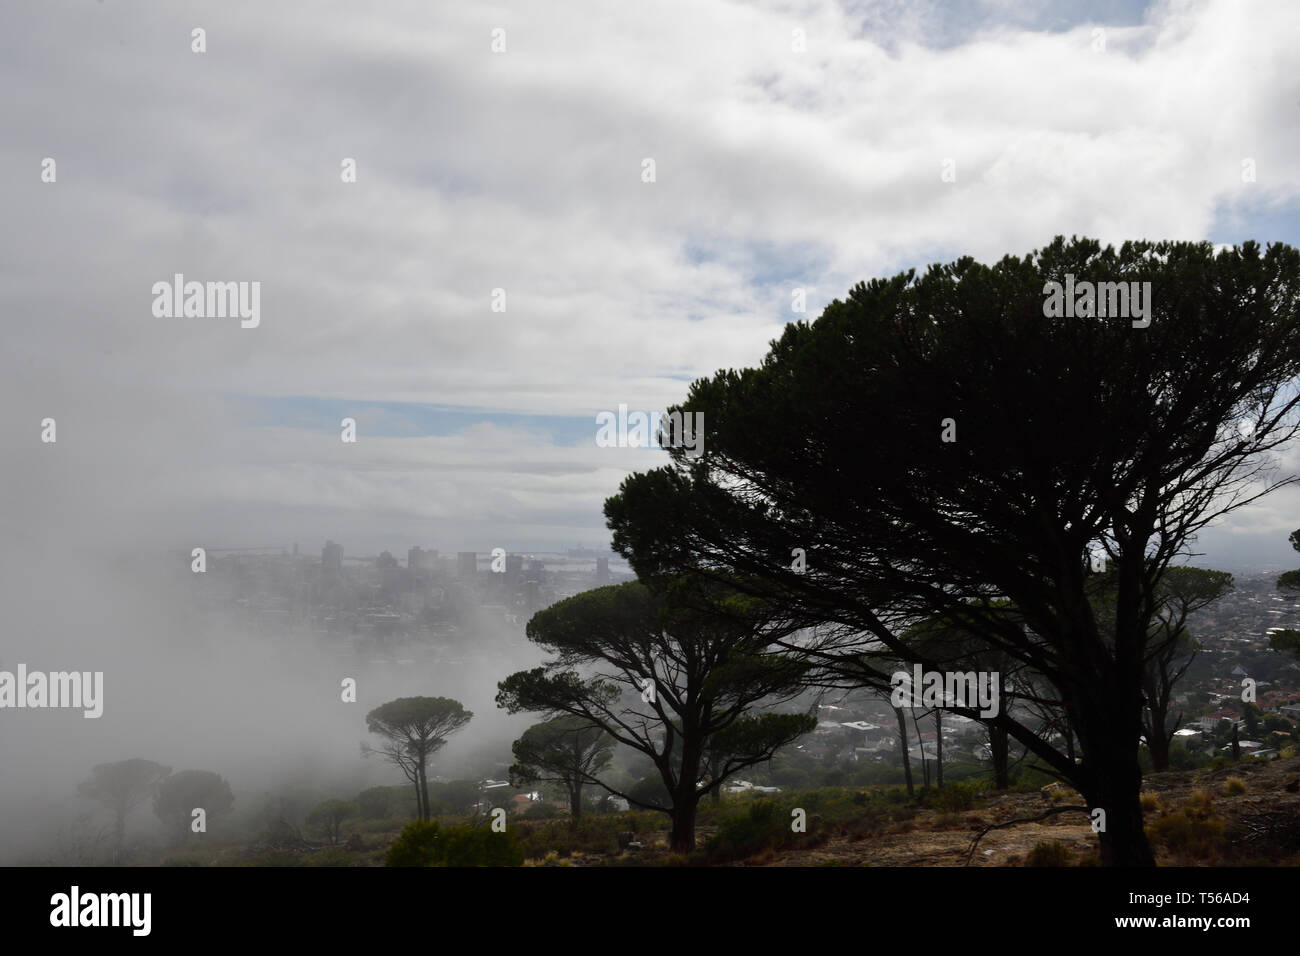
x=381 y=599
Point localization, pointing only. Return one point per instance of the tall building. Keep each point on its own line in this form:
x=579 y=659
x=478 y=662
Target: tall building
x=417 y=559
x=602 y=570
x=466 y=565
x=331 y=557
x=514 y=571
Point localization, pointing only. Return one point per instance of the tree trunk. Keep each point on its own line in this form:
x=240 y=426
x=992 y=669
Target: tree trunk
x=575 y=804
x=683 y=833
x=1110 y=777
x=938 y=748
x=1157 y=739
x=1115 y=789
x=907 y=761
x=686 y=796
x=920 y=745
x=1000 y=750
x=421 y=810
x=1236 y=744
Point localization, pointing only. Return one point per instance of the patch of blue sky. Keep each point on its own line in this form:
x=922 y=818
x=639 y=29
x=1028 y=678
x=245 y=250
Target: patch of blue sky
x=943 y=24
x=760 y=262
x=1262 y=218
x=406 y=419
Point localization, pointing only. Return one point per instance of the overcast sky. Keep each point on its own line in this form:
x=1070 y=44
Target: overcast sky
x=521 y=170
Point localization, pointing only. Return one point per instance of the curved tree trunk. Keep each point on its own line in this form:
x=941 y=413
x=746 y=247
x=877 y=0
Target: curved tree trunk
x=575 y=803
x=938 y=747
x=907 y=761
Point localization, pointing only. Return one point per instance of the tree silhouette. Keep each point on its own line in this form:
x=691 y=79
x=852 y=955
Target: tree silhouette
x=665 y=677
x=121 y=787
x=937 y=444
x=565 y=750
x=414 y=729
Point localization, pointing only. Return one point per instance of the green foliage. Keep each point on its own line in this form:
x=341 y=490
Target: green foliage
x=479 y=846
x=425 y=843
x=1052 y=853
x=541 y=810
x=721 y=642
x=417 y=845
x=765 y=825
x=650 y=790
x=1286 y=641
x=952 y=797
x=567 y=750
x=327 y=817
x=1192 y=830
x=424 y=721
x=593 y=834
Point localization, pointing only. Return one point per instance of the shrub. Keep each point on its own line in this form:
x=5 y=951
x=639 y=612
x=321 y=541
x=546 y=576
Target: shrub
x=1233 y=786
x=1192 y=829
x=952 y=798
x=544 y=811
x=1053 y=853
x=327 y=817
x=765 y=825
x=417 y=846
x=425 y=843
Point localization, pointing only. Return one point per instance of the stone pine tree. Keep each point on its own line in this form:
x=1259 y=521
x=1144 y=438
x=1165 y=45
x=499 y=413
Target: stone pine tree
x=565 y=750
x=120 y=787
x=664 y=672
x=413 y=730
x=933 y=444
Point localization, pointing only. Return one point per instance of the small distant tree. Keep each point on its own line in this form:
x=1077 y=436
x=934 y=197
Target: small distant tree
x=121 y=787
x=568 y=751
x=181 y=794
x=414 y=729
x=327 y=817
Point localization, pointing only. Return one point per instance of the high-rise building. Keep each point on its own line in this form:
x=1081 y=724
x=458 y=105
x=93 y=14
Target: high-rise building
x=514 y=571
x=602 y=570
x=417 y=559
x=331 y=557
x=466 y=565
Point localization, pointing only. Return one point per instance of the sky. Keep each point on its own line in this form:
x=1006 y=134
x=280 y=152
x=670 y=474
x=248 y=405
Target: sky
x=796 y=145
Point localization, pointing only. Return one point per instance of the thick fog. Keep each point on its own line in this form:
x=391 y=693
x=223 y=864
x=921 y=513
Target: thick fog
x=497 y=274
